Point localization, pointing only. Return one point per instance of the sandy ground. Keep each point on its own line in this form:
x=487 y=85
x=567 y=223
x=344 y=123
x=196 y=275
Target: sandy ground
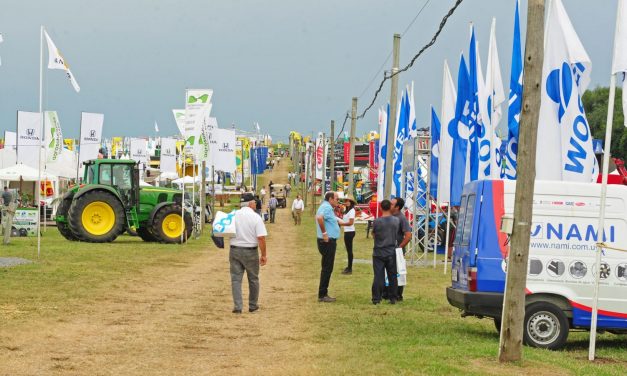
x=178 y=320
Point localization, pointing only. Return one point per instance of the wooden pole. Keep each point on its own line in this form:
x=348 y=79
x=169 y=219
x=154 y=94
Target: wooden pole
x=203 y=195
x=389 y=155
x=351 y=142
x=512 y=322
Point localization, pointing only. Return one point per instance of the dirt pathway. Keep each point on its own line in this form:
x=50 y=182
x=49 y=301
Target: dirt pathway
x=178 y=320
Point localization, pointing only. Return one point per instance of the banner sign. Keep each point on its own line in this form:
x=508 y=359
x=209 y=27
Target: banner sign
x=91 y=136
x=28 y=138
x=223 y=151
x=53 y=138
x=168 y=155
x=197 y=106
x=139 y=151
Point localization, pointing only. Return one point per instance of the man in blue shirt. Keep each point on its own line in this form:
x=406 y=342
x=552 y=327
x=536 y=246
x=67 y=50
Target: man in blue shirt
x=328 y=230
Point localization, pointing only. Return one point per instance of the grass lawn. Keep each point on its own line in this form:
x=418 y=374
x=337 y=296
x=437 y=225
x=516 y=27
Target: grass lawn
x=70 y=273
x=424 y=334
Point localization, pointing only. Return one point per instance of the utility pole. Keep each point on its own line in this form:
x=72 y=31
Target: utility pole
x=332 y=163
x=389 y=155
x=351 y=158
x=512 y=322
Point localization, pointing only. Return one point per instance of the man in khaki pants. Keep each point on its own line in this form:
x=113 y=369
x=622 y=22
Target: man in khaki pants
x=297 y=209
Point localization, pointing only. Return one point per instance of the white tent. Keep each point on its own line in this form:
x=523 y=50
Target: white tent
x=25 y=173
x=64 y=167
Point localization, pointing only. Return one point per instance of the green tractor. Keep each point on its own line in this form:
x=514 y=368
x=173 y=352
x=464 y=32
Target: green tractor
x=111 y=202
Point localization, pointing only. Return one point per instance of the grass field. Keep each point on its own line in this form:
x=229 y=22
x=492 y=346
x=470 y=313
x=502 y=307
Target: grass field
x=424 y=334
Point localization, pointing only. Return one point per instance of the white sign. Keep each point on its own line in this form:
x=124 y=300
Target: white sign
x=10 y=140
x=168 y=155
x=139 y=151
x=91 y=136
x=223 y=154
x=197 y=106
x=28 y=138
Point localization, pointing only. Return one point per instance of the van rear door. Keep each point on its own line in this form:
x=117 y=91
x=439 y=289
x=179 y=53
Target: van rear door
x=463 y=249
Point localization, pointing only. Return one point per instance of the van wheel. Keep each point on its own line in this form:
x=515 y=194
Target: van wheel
x=546 y=326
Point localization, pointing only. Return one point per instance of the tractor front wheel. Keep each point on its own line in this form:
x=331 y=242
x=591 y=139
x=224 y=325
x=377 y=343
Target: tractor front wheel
x=97 y=217
x=168 y=227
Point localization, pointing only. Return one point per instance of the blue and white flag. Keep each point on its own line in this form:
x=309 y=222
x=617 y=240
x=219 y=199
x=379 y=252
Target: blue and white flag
x=515 y=103
x=619 y=63
x=564 y=146
x=495 y=96
x=459 y=131
x=402 y=132
x=384 y=120
x=446 y=141
x=478 y=162
x=435 y=154
x=413 y=133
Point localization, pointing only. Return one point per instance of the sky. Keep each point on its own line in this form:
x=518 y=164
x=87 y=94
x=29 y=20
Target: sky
x=287 y=64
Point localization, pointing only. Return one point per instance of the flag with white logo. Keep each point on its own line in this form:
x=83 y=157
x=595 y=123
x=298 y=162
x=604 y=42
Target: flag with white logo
x=515 y=103
x=402 y=134
x=459 y=129
x=445 y=147
x=564 y=146
x=619 y=64
x=479 y=153
x=57 y=61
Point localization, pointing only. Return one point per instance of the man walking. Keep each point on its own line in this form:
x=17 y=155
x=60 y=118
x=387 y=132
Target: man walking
x=327 y=230
x=250 y=235
x=404 y=233
x=272 y=204
x=384 y=231
x=298 y=206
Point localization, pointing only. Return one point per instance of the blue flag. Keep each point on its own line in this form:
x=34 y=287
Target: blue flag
x=435 y=154
x=515 y=103
x=477 y=131
x=402 y=130
x=459 y=131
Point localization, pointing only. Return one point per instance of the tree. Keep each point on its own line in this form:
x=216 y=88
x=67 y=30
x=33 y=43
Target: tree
x=595 y=105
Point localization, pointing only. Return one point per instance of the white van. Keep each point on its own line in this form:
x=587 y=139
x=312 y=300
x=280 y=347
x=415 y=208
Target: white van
x=562 y=270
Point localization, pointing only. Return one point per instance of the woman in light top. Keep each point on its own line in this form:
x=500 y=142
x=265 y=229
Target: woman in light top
x=348 y=222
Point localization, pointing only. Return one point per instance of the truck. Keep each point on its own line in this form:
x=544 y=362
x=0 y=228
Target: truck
x=562 y=265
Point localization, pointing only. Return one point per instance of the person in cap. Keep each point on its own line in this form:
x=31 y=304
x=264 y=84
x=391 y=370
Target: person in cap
x=327 y=231
x=348 y=222
x=248 y=242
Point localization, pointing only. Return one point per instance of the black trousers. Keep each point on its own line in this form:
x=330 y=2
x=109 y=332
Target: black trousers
x=327 y=250
x=380 y=265
x=348 y=242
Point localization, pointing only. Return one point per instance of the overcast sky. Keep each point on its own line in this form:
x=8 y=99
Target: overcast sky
x=288 y=64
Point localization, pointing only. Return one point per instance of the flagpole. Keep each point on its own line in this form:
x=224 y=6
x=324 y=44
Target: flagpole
x=41 y=133
x=601 y=227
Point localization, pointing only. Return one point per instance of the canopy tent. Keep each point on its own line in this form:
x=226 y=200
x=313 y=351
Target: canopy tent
x=65 y=166
x=24 y=173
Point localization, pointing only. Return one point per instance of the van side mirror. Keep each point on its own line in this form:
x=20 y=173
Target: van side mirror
x=507 y=223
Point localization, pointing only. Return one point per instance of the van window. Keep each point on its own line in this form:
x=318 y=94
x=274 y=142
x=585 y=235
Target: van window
x=460 y=221
x=470 y=211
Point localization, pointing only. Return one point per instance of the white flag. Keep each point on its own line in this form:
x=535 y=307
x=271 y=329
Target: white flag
x=449 y=98
x=197 y=108
x=156 y=127
x=564 y=146
x=619 y=65
x=319 y=156
x=91 y=136
x=57 y=61
x=53 y=137
x=383 y=134
x=28 y=138
x=168 y=155
x=495 y=98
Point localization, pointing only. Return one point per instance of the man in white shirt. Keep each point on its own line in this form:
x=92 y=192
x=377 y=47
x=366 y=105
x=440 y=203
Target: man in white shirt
x=297 y=209
x=250 y=235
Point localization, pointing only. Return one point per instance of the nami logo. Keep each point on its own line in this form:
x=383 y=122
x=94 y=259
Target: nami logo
x=562 y=86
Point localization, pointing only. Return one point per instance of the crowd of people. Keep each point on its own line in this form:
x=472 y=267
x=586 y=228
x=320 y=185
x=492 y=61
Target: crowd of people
x=391 y=231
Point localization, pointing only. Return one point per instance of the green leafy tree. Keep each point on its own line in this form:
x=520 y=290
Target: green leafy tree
x=595 y=103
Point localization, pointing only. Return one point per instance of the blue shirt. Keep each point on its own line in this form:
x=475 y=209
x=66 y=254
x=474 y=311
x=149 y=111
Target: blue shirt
x=330 y=221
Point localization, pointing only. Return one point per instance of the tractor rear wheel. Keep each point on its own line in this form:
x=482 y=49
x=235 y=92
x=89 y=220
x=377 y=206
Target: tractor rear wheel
x=168 y=227
x=146 y=235
x=97 y=217
x=64 y=227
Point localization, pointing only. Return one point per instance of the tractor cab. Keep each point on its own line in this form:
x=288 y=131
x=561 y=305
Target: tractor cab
x=122 y=175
